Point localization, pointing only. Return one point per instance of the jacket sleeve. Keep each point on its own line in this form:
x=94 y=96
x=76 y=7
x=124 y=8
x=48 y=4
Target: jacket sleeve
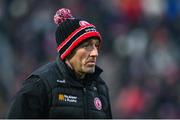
x=30 y=101
x=106 y=93
x=109 y=104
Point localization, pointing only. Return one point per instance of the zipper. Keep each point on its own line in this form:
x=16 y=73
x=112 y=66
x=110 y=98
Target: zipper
x=85 y=103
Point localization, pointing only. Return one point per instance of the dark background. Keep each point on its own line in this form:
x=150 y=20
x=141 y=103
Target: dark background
x=139 y=55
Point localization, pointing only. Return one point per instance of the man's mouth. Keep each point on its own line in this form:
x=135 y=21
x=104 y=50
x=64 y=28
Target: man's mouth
x=91 y=63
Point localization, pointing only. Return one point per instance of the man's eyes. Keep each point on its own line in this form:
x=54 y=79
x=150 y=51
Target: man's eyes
x=85 y=45
x=89 y=45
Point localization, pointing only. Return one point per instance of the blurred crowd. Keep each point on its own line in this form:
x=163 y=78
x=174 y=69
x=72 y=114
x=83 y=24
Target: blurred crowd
x=139 y=55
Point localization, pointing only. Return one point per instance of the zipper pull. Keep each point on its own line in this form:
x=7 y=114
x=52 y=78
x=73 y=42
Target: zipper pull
x=84 y=89
x=95 y=88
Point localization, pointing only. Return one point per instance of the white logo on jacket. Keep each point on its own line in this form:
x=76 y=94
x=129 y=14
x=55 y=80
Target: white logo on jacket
x=67 y=98
x=61 y=81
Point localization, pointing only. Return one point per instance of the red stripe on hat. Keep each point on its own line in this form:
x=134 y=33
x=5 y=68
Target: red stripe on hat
x=79 y=40
x=71 y=35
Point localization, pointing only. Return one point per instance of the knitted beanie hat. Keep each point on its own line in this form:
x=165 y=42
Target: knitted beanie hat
x=71 y=32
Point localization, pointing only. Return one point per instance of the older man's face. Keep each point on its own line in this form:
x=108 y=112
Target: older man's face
x=84 y=59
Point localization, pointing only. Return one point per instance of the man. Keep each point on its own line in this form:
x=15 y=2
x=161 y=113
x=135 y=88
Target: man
x=69 y=87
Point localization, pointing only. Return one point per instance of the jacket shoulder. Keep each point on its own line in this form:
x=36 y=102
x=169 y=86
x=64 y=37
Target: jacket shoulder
x=102 y=86
x=48 y=73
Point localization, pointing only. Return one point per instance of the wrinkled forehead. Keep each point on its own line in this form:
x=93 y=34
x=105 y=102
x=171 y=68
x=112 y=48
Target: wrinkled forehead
x=92 y=40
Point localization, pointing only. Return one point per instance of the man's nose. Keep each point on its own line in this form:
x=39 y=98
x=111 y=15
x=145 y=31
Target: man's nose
x=94 y=52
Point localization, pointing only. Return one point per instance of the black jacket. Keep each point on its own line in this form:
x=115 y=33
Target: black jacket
x=53 y=91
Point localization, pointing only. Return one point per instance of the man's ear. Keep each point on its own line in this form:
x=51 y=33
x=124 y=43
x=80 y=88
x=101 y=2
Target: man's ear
x=68 y=63
x=71 y=54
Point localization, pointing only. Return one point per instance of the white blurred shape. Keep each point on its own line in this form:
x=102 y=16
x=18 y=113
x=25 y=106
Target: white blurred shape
x=153 y=7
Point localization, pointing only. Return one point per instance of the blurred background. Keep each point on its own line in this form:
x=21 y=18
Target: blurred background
x=139 y=55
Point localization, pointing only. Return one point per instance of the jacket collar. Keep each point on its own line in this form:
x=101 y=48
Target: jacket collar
x=69 y=75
